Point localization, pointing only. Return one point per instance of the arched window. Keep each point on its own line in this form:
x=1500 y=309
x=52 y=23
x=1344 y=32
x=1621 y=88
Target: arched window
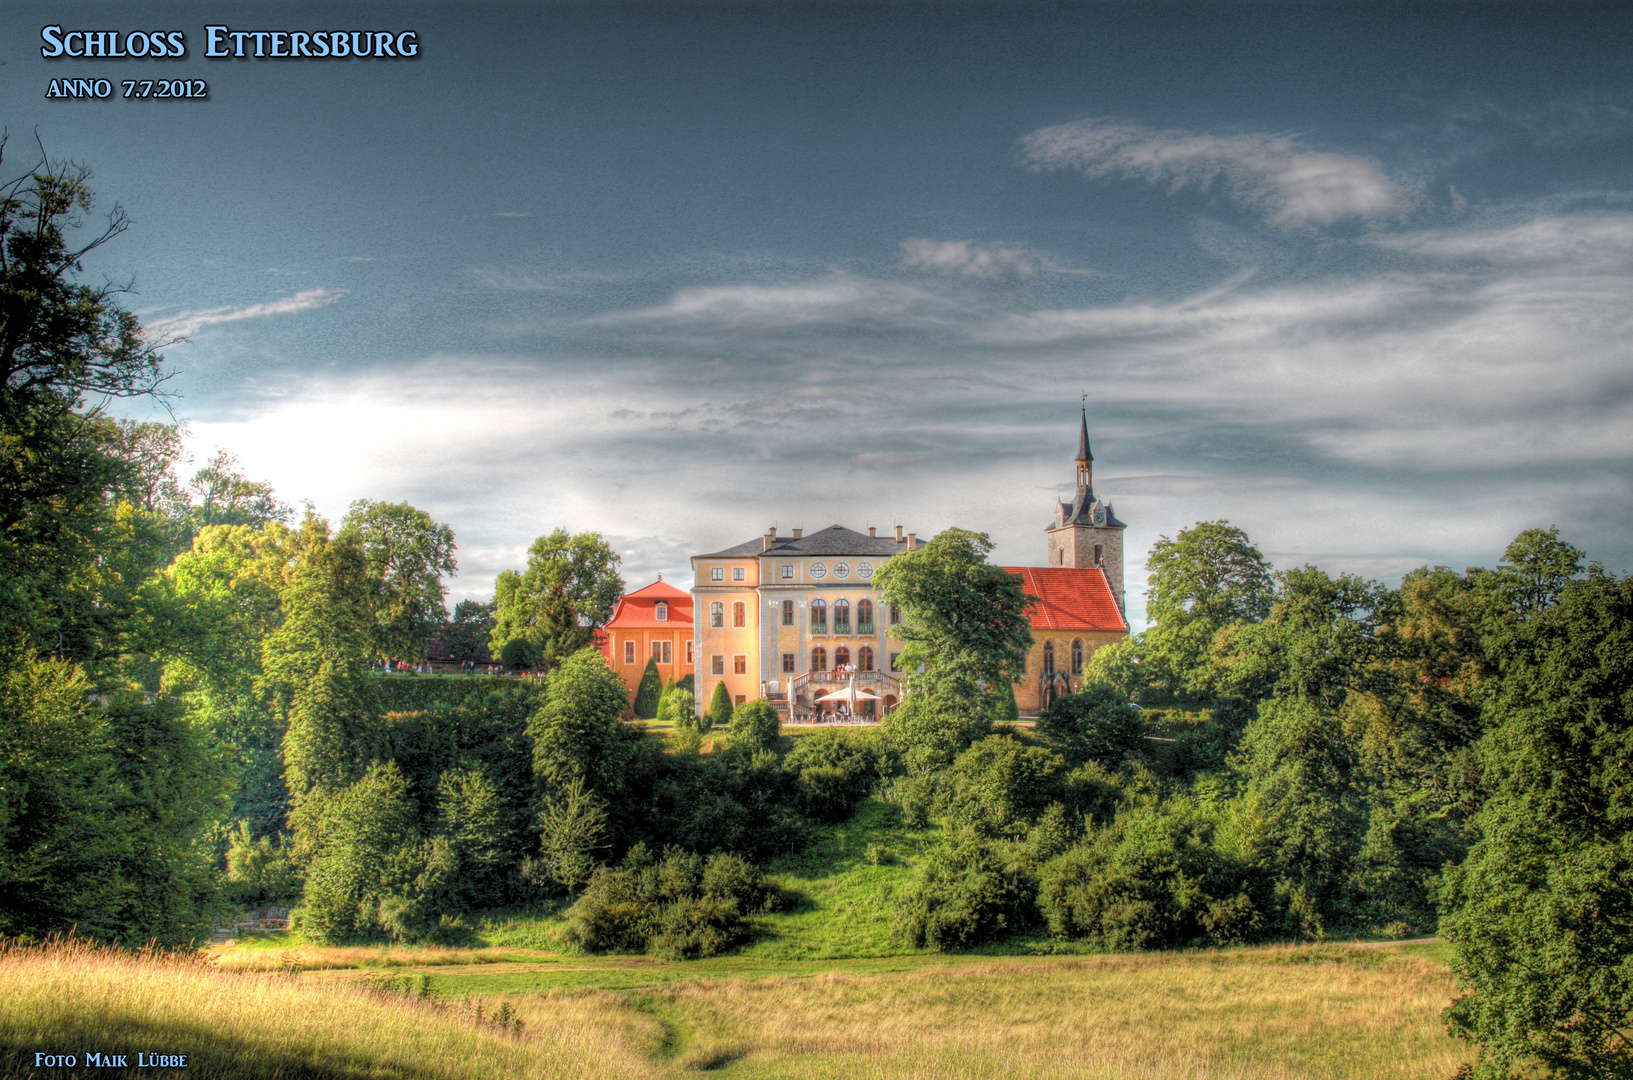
x=842 y=616
x=864 y=616
x=819 y=659
x=1099 y=554
x=842 y=658
x=864 y=658
x=819 y=619
x=739 y=614
x=717 y=614
x=1048 y=658
x=1077 y=656
x=661 y=612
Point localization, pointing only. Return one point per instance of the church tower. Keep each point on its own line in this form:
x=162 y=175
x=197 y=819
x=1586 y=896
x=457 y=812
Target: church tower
x=1085 y=532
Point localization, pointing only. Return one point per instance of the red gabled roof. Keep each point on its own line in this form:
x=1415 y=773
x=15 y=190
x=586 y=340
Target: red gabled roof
x=1070 y=598
x=635 y=611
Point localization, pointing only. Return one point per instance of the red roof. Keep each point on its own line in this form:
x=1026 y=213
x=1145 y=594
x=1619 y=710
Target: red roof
x=1070 y=598
x=637 y=610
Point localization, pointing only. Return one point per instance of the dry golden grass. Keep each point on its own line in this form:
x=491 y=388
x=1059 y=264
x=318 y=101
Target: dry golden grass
x=321 y=958
x=1253 y=1014
x=1260 y=1014
x=72 y=998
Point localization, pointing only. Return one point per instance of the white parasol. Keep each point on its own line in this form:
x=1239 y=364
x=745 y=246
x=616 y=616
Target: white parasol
x=850 y=694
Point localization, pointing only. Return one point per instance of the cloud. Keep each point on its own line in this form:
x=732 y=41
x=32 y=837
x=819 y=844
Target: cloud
x=1426 y=412
x=188 y=323
x=1274 y=176
x=965 y=258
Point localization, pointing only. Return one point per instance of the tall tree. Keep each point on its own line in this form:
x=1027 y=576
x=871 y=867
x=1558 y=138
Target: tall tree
x=567 y=593
x=408 y=555
x=964 y=621
x=577 y=733
x=1540 y=911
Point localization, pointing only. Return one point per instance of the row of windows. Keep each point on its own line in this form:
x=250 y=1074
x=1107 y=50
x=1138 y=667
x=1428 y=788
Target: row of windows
x=718 y=573
x=662 y=652
x=819 y=615
x=1049 y=657
x=842 y=660
x=864 y=570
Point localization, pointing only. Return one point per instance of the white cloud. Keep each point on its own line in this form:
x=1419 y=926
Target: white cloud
x=1426 y=414
x=965 y=258
x=188 y=323
x=1275 y=176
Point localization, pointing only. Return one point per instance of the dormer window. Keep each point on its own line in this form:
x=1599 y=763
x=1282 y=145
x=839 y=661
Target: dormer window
x=661 y=612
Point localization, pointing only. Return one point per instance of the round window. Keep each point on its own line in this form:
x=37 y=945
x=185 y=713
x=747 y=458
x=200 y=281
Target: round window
x=819 y=570
x=842 y=569
x=864 y=570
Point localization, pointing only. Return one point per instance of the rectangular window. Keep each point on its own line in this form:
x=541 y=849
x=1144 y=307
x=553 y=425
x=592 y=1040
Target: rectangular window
x=895 y=615
x=739 y=665
x=717 y=614
x=717 y=665
x=739 y=614
x=788 y=571
x=895 y=661
x=788 y=613
x=737 y=573
x=661 y=653
x=788 y=663
x=629 y=652
x=717 y=573
x=741 y=699
x=689 y=660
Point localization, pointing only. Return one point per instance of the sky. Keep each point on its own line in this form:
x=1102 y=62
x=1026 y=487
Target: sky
x=1356 y=278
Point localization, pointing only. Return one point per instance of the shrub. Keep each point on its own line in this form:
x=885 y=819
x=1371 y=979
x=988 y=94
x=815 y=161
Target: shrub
x=1153 y=879
x=970 y=890
x=1000 y=786
x=836 y=770
x=719 y=714
x=755 y=725
x=259 y=871
x=1098 y=724
x=648 y=692
x=680 y=907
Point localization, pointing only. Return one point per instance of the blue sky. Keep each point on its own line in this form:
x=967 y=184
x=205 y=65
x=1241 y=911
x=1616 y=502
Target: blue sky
x=1356 y=278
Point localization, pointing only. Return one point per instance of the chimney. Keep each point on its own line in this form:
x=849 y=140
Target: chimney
x=872 y=531
x=768 y=539
x=912 y=538
x=898 y=534
x=798 y=533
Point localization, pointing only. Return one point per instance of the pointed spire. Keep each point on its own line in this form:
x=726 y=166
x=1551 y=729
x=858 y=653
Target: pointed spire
x=1083 y=439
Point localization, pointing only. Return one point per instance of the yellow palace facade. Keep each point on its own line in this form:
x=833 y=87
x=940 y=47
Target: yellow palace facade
x=792 y=617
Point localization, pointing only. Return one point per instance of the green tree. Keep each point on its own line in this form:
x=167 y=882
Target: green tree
x=567 y=593
x=314 y=668
x=365 y=835
x=572 y=829
x=1097 y=724
x=1535 y=569
x=720 y=709
x=755 y=725
x=466 y=635
x=1540 y=911
x=1206 y=579
x=964 y=623
x=648 y=692
x=408 y=555
x=222 y=495
x=577 y=733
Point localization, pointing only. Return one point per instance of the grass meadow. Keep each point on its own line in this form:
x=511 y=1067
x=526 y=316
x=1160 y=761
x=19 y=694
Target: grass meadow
x=1272 y=1013
x=824 y=993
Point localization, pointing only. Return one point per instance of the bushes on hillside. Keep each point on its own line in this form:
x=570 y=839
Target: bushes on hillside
x=970 y=890
x=679 y=907
x=1155 y=878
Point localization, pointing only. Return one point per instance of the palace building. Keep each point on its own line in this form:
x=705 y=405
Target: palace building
x=796 y=619
x=791 y=618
